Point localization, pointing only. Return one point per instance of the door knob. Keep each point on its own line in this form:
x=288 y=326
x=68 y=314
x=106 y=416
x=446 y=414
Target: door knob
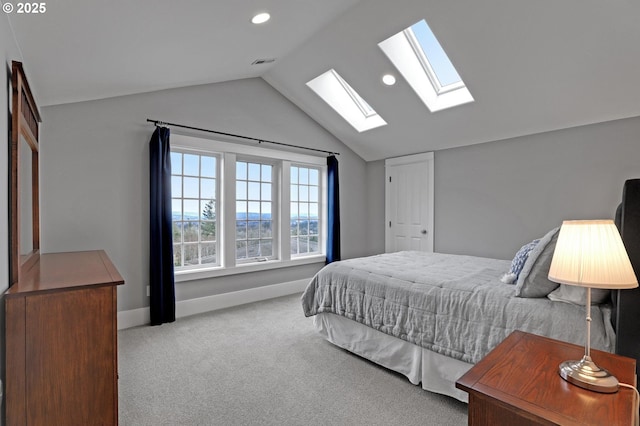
x=423 y=232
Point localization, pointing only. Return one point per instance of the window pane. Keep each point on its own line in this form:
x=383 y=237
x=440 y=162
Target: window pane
x=191 y=164
x=176 y=163
x=208 y=188
x=241 y=210
x=294 y=245
x=304 y=193
x=208 y=253
x=208 y=166
x=265 y=191
x=176 y=186
x=304 y=176
x=254 y=191
x=177 y=232
x=241 y=190
x=313 y=227
x=190 y=232
x=241 y=249
x=177 y=255
x=303 y=243
x=191 y=209
x=313 y=176
x=294 y=210
x=190 y=254
x=191 y=189
x=314 y=247
x=265 y=229
x=313 y=193
x=313 y=210
x=266 y=248
x=254 y=171
x=294 y=175
x=176 y=208
x=438 y=59
x=265 y=211
x=208 y=209
x=254 y=210
x=303 y=227
x=253 y=229
x=241 y=170
x=207 y=231
x=253 y=248
x=294 y=227
x=241 y=230
x=304 y=210
x=266 y=172
x=294 y=192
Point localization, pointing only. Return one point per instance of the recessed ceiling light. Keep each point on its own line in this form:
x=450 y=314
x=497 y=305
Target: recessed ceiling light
x=388 y=79
x=261 y=18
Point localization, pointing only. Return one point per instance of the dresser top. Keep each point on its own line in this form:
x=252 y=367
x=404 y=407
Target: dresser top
x=62 y=271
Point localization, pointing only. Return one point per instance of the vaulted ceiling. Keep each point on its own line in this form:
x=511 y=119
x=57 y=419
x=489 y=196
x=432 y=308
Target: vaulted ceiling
x=532 y=66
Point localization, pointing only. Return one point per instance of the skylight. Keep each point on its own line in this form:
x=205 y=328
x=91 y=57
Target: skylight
x=343 y=98
x=418 y=56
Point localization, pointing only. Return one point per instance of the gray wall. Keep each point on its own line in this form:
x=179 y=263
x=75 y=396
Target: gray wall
x=492 y=198
x=94 y=174
x=375 y=207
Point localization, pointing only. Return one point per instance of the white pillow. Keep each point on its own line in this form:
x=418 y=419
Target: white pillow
x=577 y=295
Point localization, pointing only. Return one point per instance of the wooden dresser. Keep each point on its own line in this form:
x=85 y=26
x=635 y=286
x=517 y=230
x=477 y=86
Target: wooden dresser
x=61 y=342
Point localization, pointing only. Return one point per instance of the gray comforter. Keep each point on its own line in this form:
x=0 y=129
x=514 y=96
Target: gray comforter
x=450 y=304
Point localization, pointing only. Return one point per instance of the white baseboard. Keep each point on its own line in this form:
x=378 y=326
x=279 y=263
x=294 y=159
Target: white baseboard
x=184 y=308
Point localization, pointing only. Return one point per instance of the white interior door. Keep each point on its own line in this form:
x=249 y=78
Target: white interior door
x=409 y=203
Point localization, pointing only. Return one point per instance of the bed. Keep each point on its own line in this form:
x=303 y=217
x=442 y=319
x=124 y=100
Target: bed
x=432 y=316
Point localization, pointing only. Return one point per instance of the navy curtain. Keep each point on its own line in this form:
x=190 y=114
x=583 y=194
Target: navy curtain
x=333 y=192
x=163 y=300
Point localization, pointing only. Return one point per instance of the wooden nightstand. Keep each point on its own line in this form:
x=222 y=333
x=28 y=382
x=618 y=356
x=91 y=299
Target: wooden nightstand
x=518 y=384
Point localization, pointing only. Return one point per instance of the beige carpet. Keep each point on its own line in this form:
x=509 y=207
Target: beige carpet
x=262 y=364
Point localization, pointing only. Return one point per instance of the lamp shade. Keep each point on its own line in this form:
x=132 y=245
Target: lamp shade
x=590 y=253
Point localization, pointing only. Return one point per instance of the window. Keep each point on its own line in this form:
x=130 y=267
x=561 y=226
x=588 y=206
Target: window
x=194 y=206
x=364 y=107
x=344 y=99
x=422 y=61
x=305 y=202
x=254 y=221
x=433 y=58
x=240 y=208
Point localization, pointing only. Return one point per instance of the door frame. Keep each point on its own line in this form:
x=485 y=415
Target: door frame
x=427 y=158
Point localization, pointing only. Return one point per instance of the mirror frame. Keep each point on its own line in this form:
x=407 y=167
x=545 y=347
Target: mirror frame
x=25 y=121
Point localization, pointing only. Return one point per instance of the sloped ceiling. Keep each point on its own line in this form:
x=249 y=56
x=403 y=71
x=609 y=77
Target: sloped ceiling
x=91 y=49
x=532 y=66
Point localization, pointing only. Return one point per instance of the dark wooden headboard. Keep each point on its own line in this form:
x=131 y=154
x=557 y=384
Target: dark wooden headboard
x=627 y=302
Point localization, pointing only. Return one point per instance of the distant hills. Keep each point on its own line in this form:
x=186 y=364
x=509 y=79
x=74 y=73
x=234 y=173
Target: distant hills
x=240 y=216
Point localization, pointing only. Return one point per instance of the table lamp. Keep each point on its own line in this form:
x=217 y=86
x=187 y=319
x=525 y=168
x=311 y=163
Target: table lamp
x=590 y=253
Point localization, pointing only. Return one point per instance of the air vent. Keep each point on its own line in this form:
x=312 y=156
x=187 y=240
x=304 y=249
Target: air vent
x=263 y=61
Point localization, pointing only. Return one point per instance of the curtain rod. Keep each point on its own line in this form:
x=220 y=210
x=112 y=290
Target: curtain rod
x=160 y=123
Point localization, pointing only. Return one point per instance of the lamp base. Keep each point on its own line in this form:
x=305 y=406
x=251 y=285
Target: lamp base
x=586 y=374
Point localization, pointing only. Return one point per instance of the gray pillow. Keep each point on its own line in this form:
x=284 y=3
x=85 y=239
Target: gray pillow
x=578 y=295
x=533 y=280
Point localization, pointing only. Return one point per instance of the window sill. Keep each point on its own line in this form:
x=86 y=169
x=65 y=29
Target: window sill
x=218 y=271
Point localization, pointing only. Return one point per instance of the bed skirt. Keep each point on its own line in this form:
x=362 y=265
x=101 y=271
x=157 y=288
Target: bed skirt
x=437 y=373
